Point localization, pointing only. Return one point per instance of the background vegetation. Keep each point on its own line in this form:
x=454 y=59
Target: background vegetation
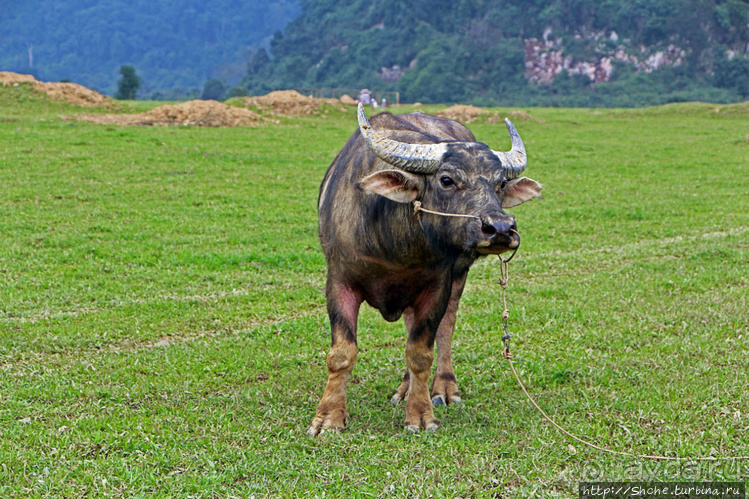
x=473 y=50
x=436 y=51
x=128 y=85
x=175 y=46
x=163 y=329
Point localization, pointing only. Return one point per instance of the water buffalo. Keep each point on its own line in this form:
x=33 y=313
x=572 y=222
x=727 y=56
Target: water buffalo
x=407 y=261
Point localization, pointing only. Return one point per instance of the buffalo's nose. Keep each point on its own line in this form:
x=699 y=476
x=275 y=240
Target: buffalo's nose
x=499 y=226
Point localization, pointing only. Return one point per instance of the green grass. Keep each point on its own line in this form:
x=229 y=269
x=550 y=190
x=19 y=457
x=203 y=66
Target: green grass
x=163 y=329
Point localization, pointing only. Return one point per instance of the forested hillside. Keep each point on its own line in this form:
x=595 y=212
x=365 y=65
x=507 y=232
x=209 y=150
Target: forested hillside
x=174 y=45
x=543 y=52
x=487 y=52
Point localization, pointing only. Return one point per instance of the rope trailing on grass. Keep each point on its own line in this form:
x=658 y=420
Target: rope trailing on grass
x=503 y=281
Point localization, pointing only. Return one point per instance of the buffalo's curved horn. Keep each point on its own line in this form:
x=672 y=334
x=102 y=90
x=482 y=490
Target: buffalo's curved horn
x=514 y=160
x=414 y=158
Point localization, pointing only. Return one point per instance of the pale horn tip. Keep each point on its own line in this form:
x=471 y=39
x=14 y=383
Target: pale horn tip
x=362 y=117
x=514 y=160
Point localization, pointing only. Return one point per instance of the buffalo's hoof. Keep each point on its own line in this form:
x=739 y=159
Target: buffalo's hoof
x=314 y=431
x=432 y=427
x=335 y=422
x=446 y=400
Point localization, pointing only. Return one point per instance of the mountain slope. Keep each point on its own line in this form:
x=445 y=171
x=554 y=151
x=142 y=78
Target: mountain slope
x=174 y=43
x=499 y=51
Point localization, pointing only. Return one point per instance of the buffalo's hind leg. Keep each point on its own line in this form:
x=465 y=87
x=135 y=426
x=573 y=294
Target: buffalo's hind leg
x=402 y=392
x=343 y=310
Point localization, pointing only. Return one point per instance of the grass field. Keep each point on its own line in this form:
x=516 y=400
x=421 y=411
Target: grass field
x=163 y=329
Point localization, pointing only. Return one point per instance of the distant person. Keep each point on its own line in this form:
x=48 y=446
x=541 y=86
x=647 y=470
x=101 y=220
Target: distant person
x=365 y=97
x=384 y=102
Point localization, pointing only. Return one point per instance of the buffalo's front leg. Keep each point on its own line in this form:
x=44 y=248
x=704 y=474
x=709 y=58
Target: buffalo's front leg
x=343 y=310
x=422 y=320
x=419 y=410
x=444 y=383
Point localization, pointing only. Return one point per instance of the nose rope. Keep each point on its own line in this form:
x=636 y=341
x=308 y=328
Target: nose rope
x=418 y=208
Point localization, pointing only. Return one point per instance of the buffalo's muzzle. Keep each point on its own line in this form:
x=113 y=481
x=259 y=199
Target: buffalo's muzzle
x=500 y=235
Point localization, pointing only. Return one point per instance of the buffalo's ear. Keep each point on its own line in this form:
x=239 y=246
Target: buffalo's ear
x=520 y=190
x=397 y=185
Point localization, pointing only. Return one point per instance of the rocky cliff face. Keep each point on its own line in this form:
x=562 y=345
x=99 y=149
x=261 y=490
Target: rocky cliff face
x=546 y=58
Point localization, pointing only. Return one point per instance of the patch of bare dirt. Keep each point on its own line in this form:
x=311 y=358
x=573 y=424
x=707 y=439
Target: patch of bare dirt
x=517 y=115
x=467 y=114
x=525 y=116
x=8 y=78
x=347 y=100
x=289 y=103
x=462 y=113
x=71 y=93
x=208 y=113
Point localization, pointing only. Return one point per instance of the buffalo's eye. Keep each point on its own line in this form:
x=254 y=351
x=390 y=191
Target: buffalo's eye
x=446 y=181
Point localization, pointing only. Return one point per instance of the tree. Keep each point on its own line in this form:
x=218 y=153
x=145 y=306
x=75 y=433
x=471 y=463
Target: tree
x=733 y=74
x=127 y=87
x=213 y=90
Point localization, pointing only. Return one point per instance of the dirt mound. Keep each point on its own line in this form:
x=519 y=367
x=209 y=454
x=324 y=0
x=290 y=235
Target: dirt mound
x=289 y=103
x=208 y=113
x=347 y=100
x=515 y=116
x=462 y=113
x=72 y=93
x=466 y=114
x=7 y=78
x=203 y=113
